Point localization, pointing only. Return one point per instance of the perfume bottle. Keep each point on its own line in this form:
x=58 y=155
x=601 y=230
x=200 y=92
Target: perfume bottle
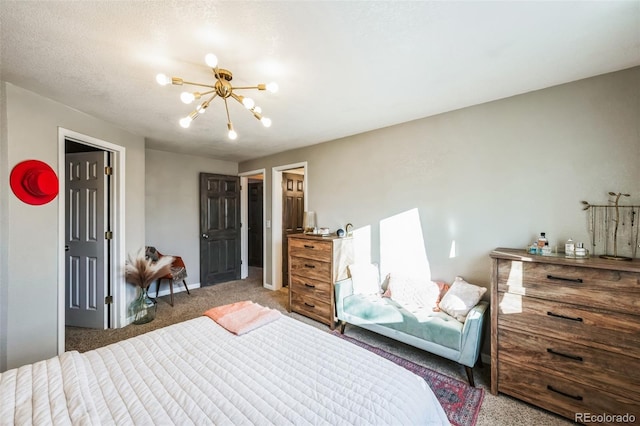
x=546 y=249
x=570 y=248
x=542 y=240
x=581 y=251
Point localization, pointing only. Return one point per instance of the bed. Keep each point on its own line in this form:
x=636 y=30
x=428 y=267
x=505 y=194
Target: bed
x=196 y=372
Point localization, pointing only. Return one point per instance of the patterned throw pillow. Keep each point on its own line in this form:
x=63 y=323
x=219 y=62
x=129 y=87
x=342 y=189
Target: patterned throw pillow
x=460 y=298
x=412 y=291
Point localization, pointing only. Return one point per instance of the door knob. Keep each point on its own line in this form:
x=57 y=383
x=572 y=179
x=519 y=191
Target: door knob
x=66 y=248
x=205 y=236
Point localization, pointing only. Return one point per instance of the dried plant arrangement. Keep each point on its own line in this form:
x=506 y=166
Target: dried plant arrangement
x=141 y=271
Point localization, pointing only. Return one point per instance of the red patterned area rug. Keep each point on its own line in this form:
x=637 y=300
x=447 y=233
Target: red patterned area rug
x=460 y=401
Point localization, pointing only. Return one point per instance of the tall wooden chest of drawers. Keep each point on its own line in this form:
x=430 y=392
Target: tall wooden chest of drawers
x=315 y=263
x=565 y=334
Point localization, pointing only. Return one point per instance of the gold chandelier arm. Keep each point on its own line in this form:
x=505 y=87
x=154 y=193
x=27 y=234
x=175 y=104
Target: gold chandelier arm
x=236 y=97
x=196 y=84
x=226 y=107
x=251 y=110
x=204 y=105
x=259 y=87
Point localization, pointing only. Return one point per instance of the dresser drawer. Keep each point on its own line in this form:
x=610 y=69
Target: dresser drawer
x=313 y=269
x=308 y=286
x=593 y=367
x=560 y=395
x=305 y=304
x=609 y=331
x=618 y=291
x=310 y=249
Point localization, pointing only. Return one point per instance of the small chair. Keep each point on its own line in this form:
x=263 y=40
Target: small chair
x=178 y=271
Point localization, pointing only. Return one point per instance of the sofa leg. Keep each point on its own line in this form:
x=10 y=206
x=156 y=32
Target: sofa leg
x=343 y=324
x=470 y=376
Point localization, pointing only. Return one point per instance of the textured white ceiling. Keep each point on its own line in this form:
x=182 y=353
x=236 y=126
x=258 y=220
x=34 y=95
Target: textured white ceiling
x=342 y=67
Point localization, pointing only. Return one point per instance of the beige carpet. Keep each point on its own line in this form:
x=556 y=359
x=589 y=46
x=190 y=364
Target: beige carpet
x=496 y=410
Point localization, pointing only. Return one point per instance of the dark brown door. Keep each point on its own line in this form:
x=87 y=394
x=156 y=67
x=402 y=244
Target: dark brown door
x=255 y=224
x=219 y=228
x=292 y=214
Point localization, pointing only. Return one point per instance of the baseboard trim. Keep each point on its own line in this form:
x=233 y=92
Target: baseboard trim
x=177 y=288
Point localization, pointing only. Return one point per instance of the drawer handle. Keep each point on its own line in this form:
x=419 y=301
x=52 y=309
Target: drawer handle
x=309 y=305
x=551 y=314
x=309 y=246
x=573 y=357
x=306 y=265
x=571 y=280
x=309 y=285
x=576 y=397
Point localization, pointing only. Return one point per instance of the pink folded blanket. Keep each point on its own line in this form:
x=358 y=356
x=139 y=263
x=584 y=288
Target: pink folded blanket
x=242 y=317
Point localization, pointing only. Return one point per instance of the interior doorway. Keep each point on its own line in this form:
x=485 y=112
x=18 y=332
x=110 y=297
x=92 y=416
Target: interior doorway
x=254 y=233
x=87 y=236
x=277 y=278
x=114 y=301
x=254 y=224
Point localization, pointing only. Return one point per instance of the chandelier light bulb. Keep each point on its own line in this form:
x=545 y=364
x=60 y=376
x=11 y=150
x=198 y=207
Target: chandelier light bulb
x=232 y=133
x=257 y=109
x=187 y=97
x=185 y=122
x=272 y=87
x=266 y=122
x=163 y=80
x=211 y=60
x=248 y=103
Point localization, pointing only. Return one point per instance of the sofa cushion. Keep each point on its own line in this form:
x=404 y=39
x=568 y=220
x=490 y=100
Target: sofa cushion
x=408 y=290
x=423 y=323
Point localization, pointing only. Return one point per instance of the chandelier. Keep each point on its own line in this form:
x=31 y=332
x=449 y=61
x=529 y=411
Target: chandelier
x=222 y=88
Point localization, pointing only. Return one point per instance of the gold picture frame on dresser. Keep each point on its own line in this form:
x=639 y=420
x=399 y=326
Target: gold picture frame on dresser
x=565 y=334
x=315 y=264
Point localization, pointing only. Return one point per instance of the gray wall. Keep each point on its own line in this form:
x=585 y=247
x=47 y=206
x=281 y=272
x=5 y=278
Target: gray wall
x=29 y=234
x=492 y=175
x=173 y=205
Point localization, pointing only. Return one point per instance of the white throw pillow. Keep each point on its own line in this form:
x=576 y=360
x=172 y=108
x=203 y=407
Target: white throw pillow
x=460 y=298
x=413 y=291
x=365 y=278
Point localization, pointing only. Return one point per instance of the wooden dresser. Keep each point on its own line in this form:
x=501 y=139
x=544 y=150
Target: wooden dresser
x=565 y=334
x=315 y=263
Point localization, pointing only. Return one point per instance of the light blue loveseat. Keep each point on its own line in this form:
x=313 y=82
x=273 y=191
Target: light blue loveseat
x=437 y=332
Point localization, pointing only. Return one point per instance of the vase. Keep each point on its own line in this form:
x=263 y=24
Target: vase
x=143 y=308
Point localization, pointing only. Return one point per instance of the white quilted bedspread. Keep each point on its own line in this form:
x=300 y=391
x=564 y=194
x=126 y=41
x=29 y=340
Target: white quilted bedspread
x=195 y=372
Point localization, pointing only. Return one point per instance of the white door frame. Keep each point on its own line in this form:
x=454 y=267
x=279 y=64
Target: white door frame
x=118 y=256
x=276 y=218
x=244 y=219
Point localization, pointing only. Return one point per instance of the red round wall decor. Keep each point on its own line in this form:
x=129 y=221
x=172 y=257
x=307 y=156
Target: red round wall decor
x=34 y=182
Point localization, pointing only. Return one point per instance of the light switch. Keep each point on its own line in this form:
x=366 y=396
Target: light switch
x=268 y=224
